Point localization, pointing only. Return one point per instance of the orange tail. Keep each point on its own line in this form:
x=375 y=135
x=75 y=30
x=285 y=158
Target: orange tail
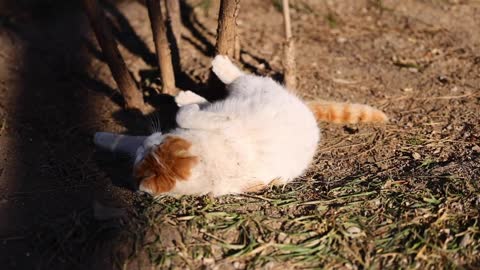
x=346 y=113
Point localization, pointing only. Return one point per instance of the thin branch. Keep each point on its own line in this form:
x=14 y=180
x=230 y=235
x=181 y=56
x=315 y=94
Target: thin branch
x=162 y=47
x=132 y=96
x=174 y=17
x=289 y=50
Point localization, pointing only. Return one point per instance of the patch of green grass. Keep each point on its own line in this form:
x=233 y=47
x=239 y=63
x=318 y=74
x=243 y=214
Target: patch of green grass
x=415 y=141
x=299 y=6
x=379 y=5
x=368 y=223
x=332 y=19
x=413 y=221
x=205 y=5
x=278 y=5
x=427 y=163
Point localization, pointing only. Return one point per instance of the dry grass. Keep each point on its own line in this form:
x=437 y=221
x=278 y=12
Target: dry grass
x=417 y=212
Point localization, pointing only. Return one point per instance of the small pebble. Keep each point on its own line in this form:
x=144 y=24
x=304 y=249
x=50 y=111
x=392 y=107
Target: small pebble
x=443 y=79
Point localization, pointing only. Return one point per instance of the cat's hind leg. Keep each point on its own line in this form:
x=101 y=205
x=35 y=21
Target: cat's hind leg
x=225 y=70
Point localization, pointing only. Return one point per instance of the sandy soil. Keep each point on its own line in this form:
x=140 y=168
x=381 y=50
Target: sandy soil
x=419 y=61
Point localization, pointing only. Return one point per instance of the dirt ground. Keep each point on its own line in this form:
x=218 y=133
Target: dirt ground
x=403 y=195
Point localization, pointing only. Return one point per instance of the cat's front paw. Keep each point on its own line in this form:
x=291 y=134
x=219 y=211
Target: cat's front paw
x=188 y=97
x=225 y=70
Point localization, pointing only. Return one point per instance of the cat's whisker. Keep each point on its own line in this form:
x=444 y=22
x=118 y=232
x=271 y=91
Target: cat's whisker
x=155 y=125
x=154 y=122
x=150 y=123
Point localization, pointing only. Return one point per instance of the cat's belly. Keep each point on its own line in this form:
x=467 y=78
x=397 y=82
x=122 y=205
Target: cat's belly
x=290 y=157
x=232 y=161
x=275 y=151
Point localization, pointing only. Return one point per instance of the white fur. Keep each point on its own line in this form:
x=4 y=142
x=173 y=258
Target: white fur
x=225 y=70
x=260 y=132
x=188 y=97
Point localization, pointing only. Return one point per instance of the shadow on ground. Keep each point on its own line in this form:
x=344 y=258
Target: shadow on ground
x=47 y=216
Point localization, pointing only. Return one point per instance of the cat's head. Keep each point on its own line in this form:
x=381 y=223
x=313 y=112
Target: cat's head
x=161 y=161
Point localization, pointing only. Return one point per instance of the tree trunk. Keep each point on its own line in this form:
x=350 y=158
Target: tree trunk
x=226 y=27
x=133 y=97
x=162 y=47
x=225 y=45
x=238 y=47
x=290 y=79
x=173 y=11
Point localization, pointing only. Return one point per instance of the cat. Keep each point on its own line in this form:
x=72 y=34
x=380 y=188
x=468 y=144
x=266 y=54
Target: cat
x=261 y=134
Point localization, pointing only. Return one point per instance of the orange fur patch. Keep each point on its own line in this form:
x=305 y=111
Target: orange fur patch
x=332 y=113
x=318 y=111
x=379 y=117
x=169 y=162
x=346 y=114
x=362 y=117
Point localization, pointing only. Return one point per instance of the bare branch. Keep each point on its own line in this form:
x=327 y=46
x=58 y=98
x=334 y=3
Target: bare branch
x=289 y=50
x=162 y=47
x=133 y=97
x=174 y=17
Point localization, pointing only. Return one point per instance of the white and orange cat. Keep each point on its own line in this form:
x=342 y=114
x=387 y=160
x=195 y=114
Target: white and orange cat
x=260 y=134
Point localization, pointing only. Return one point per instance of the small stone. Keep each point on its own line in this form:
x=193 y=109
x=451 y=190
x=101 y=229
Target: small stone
x=466 y=240
x=407 y=89
x=208 y=260
x=416 y=156
x=413 y=70
x=281 y=237
x=436 y=51
x=476 y=148
x=355 y=232
x=443 y=79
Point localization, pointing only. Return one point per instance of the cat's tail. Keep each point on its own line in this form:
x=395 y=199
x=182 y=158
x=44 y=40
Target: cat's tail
x=346 y=113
